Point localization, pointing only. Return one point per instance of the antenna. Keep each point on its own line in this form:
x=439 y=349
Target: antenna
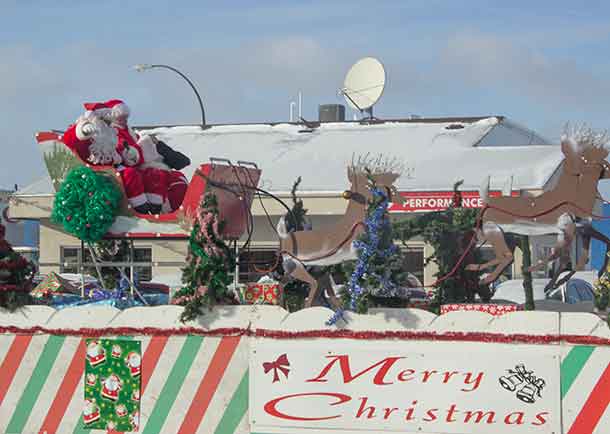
x=364 y=84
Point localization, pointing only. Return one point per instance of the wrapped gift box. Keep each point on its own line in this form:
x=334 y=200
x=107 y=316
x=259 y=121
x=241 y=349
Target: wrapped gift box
x=51 y=285
x=262 y=293
x=492 y=309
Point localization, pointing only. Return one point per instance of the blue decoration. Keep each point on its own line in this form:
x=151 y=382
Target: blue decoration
x=120 y=298
x=375 y=223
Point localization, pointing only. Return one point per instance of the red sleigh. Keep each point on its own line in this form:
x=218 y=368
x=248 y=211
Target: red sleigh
x=233 y=184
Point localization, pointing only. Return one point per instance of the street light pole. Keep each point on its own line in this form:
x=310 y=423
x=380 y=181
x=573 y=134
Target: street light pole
x=144 y=67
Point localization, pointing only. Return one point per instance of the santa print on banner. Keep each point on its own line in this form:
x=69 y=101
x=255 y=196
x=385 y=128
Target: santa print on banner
x=112 y=384
x=149 y=168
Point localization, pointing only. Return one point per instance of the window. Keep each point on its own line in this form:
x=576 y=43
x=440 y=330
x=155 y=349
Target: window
x=250 y=260
x=143 y=254
x=414 y=261
x=70 y=257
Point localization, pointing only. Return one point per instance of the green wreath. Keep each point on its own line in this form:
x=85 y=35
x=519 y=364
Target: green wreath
x=86 y=204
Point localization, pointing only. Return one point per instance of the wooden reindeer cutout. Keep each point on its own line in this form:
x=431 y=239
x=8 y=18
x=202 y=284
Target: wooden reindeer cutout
x=587 y=232
x=334 y=244
x=554 y=211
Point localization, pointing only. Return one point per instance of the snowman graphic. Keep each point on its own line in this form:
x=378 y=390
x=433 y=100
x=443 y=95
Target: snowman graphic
x=134 y=362
x=91 y=411
x=111 y=387
x=95 y=353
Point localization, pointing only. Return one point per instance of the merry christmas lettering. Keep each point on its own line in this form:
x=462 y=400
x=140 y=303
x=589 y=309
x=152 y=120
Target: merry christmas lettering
x=333 y=403
x=386 y=373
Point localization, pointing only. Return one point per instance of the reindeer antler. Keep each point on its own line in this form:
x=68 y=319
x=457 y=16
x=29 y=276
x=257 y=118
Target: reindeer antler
x=377 y=164
x=586 y=137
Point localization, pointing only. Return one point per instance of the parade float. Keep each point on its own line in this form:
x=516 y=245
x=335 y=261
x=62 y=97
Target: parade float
x=213 y=361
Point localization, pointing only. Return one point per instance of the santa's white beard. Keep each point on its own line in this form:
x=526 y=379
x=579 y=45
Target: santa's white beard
x=103 y=148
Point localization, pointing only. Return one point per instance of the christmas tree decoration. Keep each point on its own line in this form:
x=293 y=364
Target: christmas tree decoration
x=295 y=291
x=16 y=273
x=209 y=262
x=86 y=204
x=450 y=234
x=112 y=379
x=375 y=247
x=334 y=244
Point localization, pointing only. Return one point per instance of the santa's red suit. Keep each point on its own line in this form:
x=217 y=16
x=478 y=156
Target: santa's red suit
x=144 y=172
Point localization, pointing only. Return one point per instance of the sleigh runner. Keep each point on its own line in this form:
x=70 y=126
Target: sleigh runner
x=234 y=186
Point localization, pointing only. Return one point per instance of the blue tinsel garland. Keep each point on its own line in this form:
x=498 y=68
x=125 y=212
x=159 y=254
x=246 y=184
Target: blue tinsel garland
x=375 y=223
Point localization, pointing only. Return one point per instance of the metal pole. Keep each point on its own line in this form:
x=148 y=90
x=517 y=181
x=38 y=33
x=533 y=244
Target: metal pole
x=236 y=276
x=131 y=269
x=171 y=68
x=96 y=265
x=81 y=269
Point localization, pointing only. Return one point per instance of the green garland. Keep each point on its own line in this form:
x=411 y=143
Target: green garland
x=601 y=290
x=206 y=275
x=448 y=231
x=295 y=291
x=86 y=204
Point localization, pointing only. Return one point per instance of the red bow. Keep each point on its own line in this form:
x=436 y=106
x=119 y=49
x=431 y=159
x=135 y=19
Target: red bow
x=279 y=365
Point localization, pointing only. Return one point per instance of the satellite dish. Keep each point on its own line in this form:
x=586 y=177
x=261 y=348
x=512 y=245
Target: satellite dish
x=363 y=85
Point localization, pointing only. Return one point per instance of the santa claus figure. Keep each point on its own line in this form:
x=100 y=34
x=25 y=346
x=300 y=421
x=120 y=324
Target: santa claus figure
x=92 y=138
x=111 y=387
x=150 y=167
x=134 y=361
x=91 y=412
x=95 y=353
x=135 y=420
x=91 y=379
x=135 y=395
x=116 y=351
x=121 y=410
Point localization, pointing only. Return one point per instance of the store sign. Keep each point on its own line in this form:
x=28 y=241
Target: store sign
x=421 y=201
x=379 y=386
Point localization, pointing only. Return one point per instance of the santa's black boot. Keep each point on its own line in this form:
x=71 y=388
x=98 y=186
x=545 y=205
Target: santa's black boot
x=142 y=209
x=155 y=209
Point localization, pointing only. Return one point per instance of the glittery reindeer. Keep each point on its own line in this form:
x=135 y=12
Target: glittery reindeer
x=334 y=244
x=553 y=211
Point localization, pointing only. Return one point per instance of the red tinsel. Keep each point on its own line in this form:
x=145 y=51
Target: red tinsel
x=11 y=287
x=497 y=338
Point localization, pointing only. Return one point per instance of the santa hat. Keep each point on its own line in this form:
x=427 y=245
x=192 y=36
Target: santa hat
x=99 y=108
x=117 y=108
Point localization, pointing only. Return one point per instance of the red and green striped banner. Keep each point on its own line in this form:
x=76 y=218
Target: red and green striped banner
x=190 y=384
x=195 y=384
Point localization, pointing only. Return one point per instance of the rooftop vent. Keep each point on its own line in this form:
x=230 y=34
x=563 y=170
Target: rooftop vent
x=331 y=113
x=454 y=127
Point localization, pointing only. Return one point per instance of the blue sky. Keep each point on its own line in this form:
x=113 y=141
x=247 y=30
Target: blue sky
x=540 y=63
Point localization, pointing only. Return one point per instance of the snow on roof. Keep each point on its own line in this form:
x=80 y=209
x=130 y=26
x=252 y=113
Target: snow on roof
x=40 y=187
x=437 y=153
